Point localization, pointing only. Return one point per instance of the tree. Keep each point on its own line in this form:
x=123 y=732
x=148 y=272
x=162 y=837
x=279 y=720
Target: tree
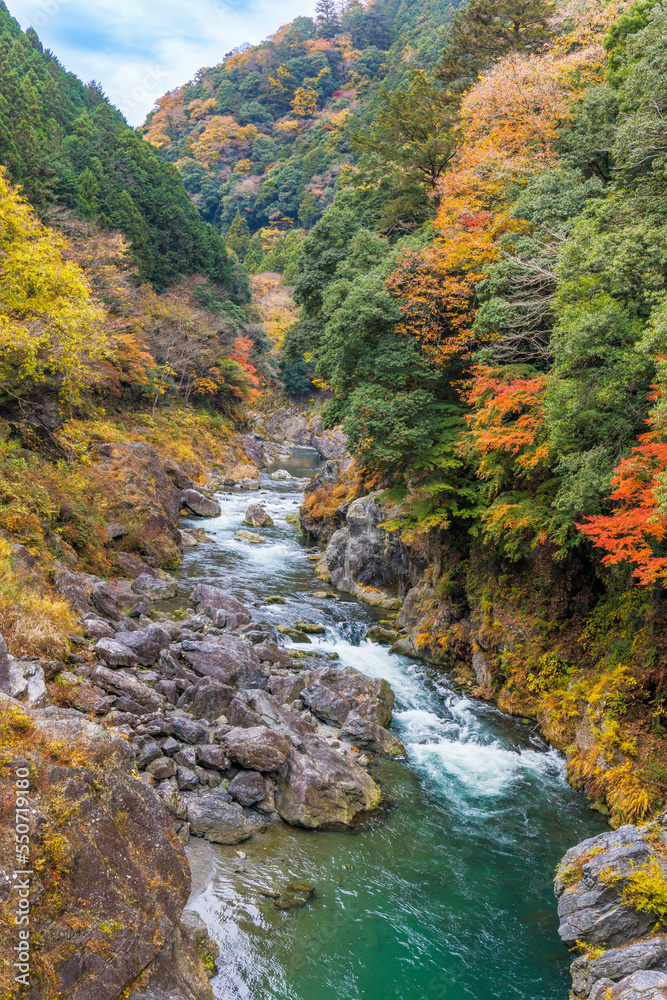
x=304 y=102
x=486 y=30
x=414 y=134
x=326 y=16
x=238 y=237
x=51 y=329
x=636 y=530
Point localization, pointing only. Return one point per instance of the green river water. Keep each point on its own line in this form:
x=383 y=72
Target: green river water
x=448 y=895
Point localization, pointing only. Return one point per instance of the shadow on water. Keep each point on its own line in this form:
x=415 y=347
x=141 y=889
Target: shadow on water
x=449 y=896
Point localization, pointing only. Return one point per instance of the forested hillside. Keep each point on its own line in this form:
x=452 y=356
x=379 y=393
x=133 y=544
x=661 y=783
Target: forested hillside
x=265 y=134
x=64 y=143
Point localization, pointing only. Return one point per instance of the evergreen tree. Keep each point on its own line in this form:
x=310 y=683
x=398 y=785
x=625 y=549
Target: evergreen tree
x=238 y=237
x=485 y=30
x=326 y=16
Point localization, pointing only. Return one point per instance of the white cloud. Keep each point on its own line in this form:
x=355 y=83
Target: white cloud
x=138 y=49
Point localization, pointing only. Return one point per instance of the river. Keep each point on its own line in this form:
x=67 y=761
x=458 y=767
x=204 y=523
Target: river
x=448 y=894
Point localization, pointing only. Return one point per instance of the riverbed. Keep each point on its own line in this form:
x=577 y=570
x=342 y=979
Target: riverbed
x=447 y=894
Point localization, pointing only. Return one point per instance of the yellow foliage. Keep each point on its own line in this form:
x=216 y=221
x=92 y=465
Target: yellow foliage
x=51 y=329
x=304 y=102
x=34 y=623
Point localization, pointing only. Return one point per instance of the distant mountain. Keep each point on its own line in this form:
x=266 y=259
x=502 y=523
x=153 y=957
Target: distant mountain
x=264 y=132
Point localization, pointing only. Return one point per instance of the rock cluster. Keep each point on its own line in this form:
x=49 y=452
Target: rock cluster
x=231 y=730
x=612 y=904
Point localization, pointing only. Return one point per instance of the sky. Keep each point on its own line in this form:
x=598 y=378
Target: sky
x=139 y=49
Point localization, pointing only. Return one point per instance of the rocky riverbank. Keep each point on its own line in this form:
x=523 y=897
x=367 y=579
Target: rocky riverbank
x=612 y=906
x=161 y=726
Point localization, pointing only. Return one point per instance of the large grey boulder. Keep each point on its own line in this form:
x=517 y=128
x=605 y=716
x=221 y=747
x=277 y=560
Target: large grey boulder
x=334 y=692
x=368 y=735
x=27 y=682
x=115 y=653
x=210 y=699
x=322 y=789
x=247 y=788
x=216 y=817
x=120 y=682
x=200 y=505
x=207 y=598
x=228 y=658
x=156 y=588
x=257 y=748
x=146 y=643
x=589 y=887
x=644 y=985
x=618 y=963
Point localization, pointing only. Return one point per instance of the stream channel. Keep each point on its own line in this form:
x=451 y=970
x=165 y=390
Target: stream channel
x=449 y=894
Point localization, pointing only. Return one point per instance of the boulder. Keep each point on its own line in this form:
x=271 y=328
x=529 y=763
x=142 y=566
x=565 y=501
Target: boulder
x=334 y=692
x=257 y=517
x=103 y=597
x=590 y=905
x=617 y=963
x=189 y=731
x=185 y=778
x=216 y=817
x=229 y=658
x=250 y=536
x=322 y=789
x=132 y=567
x=251 y=708
x=645 y=985
x=205 y=598
x=211 y=699
x=369 y=735
x=158 y=589
x=271 y=652
x=97 y=628
x=288 y=689
x=162 y=768
x=211 y=755
x=146 y=644
x=257 y=748
x=116 y=653
x=200 y=505
x=27 y=683
x=120 y=682
x=281 y=474
x=383 y=636
x=247 y=788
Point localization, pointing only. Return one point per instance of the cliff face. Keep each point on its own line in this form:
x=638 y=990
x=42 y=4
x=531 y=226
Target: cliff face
x=110 y=878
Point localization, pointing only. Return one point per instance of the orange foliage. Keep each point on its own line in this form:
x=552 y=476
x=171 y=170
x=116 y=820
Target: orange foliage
x=168 y=118
x=634 y=532
x=241 y=352
x=508 y=421
x=509 y=121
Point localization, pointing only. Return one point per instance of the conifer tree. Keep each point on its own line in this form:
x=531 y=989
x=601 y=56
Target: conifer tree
x=485 y=30
x=238 y=237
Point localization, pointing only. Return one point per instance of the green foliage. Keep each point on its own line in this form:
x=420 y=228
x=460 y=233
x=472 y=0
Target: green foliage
x=64 y=143
x=484 y=30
